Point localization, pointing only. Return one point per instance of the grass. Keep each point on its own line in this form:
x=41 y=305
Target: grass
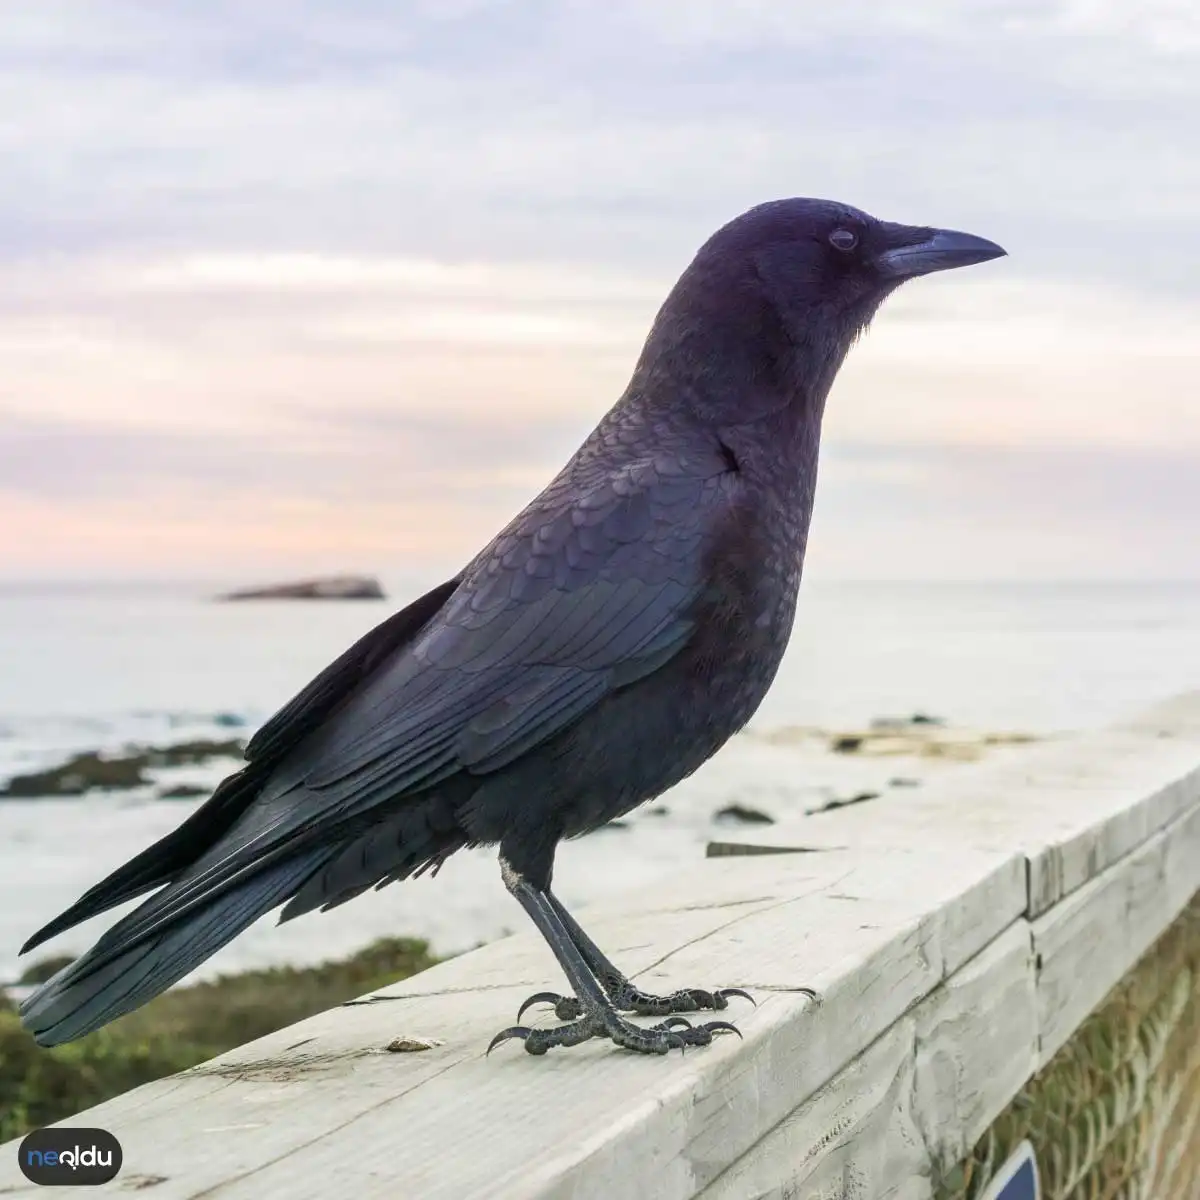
x=179 y=1029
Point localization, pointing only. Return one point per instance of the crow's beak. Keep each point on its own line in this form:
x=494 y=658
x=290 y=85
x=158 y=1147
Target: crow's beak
x=939 y=251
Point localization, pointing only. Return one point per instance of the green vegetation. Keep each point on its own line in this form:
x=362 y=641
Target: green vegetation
x=40 y=971
x=179 y=1029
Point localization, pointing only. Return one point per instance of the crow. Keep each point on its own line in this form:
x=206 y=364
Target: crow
x=600 y=649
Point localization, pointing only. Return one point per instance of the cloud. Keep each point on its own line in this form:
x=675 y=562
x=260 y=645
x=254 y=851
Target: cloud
x=586 y=132
x=272 y=275
x=241 y=344
x=359 y=493
x=375 y=493
x=1025 y=364
x=258 y=344
x=940 y=512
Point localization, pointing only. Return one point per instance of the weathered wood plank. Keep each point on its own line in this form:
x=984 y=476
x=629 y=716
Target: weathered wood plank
x=1086 y=943
x=915 y=1100
x=854 y=1139
x=1072 y=807
x=869 y=932
x=938 y=997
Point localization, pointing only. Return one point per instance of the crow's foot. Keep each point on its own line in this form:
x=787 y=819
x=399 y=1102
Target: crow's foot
x=673 y=1033
x=627 y=998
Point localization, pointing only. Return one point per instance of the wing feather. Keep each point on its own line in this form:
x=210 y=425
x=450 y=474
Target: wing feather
x=496 y=671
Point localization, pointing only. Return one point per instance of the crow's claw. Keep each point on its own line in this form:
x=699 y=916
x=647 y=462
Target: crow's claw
x=695 y=1035
x=676 y=1025
x=628 y=998
x=673 y=1023
x=712 y=1027
x=725 y=993
x=566 y=1008
x=513 y=1031
x=671 y=1034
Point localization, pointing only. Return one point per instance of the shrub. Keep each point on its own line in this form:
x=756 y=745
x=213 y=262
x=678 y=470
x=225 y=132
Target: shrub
x=179 y=1029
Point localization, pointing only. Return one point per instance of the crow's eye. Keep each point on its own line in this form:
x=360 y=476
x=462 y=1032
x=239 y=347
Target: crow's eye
x=843 y=239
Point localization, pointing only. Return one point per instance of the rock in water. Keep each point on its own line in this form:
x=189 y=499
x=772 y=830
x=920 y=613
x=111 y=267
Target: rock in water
x=78 y=775
x=334 y=587
x=742 y=814
x=83 y=772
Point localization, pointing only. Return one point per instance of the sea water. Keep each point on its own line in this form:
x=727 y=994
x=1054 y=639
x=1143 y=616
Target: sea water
x=103 y=666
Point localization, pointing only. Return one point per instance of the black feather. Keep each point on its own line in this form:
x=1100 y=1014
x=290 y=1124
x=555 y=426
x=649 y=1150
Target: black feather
x=605 y=644
x=168 y=857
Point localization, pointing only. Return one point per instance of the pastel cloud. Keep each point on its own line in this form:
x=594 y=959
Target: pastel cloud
x=272 y=278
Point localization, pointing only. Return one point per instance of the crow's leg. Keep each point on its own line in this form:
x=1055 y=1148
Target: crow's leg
x=624 y=995
x=597 y=1016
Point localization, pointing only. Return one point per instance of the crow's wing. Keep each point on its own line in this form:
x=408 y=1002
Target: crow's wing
x=316 y=702
x=585 y=592
x=170 y=856
x=573 y=599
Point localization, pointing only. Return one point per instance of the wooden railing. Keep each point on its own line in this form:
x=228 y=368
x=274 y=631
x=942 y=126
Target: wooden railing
x=957 y=936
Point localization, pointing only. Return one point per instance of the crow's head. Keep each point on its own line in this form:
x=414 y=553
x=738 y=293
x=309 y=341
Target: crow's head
x=779 y=294
x=818 y=258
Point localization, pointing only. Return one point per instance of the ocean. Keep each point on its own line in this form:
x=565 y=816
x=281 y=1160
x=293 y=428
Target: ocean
x=104 y=666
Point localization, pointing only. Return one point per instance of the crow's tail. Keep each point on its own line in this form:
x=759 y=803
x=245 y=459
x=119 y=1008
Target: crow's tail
x=121 y=972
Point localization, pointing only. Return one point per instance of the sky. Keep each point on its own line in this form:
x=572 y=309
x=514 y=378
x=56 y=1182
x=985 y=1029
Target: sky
x=289 y=287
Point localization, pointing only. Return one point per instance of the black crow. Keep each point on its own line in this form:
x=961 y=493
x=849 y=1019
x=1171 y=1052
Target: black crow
x=609 y=640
